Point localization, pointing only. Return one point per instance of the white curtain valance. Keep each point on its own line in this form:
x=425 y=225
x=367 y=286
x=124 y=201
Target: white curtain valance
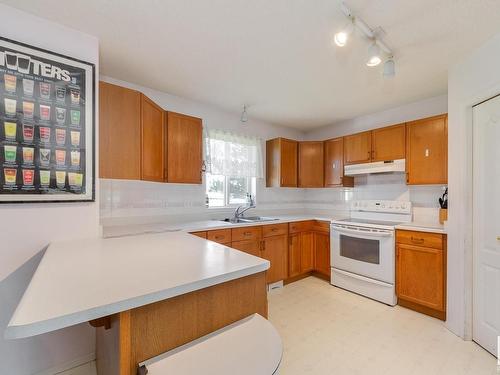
x=234 y=155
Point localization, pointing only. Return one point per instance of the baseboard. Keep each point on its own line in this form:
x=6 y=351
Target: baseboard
x=68 y=365
x=422 y=309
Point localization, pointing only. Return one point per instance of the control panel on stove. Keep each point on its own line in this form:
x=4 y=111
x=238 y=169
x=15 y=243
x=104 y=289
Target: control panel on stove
x=401 y=207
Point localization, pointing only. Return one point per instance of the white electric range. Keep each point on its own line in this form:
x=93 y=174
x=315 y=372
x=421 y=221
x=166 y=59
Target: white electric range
x=363 y=248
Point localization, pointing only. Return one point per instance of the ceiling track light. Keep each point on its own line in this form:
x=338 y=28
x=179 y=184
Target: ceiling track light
x=377 y=45
x=244 y=114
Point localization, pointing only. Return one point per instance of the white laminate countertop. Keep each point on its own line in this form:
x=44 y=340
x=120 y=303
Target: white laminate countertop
x=77 y=281
x=202 y=225
x=423 y=227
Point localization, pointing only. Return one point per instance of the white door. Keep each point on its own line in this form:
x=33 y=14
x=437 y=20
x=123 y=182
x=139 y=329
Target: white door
x=486 y=224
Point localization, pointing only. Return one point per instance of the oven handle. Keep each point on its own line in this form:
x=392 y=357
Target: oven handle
x=362 y=232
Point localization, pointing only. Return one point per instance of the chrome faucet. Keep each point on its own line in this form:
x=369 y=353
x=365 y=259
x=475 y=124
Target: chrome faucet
x=240 y=210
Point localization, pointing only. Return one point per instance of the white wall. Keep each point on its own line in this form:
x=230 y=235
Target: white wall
x=27 y=228
x=413 y=111
x=470 y=81
x=142 y=202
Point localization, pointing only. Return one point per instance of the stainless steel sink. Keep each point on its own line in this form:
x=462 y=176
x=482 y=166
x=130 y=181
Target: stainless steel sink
x=249 y=219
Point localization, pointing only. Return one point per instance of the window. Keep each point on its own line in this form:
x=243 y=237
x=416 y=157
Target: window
x=234 y=162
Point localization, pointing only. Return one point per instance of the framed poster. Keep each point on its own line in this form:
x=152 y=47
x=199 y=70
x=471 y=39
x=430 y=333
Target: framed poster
x=46 y=126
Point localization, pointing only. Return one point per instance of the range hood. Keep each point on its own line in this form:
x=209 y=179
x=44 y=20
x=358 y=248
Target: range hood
x=391 y=166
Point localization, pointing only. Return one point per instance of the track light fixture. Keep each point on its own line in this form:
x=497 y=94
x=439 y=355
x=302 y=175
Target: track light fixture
x=377 y=46
x=373 y=55
x=342 y=36
x=244 y=114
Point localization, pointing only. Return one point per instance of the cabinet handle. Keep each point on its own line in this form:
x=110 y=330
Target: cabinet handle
x=247 y=233
x=219 y=237
x=417 y=240
x=274 y=229
x=263 y=245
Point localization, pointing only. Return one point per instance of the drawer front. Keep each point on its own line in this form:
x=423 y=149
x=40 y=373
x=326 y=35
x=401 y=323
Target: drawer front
x=219 y=235
x=247 y=233
x=300 y=226
x=274 y=230
x=322 y=226
x=425 y=239
x=200 y=234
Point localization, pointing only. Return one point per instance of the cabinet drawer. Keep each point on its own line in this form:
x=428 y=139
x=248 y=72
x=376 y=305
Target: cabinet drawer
x=274 y=230
x=200 y=234
x=219 y=235
x=300 y=226
x=425 y=239
x=321 y=226
x=247 y=233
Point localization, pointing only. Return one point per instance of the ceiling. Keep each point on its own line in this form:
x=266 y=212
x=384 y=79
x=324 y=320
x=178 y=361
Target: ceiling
x=276 y=55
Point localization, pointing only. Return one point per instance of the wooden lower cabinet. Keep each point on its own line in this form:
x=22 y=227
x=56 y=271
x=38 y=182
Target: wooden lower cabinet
x=322 y=253
x=305 y=250
x=275 y=250
x=421 y=274
x=251 y=247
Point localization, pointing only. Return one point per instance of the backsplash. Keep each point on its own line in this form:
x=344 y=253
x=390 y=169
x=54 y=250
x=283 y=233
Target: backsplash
x=125 y=201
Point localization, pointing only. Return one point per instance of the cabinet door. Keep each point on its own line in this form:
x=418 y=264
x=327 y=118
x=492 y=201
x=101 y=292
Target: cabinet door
x=288 y=163
x=119 y=132
x=306 y=252
x=334 y=164
x=420 y=275
x=250 y=247
x=294 y=255
x=275 y=250
x=322 y=253
x=427 y=151
x=184 y=148
x=358 y=148
x=389 y=143
x=311 y=164
x=153 y=141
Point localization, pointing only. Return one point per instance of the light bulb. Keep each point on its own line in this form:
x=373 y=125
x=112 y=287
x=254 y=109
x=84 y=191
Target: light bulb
x=340 y=38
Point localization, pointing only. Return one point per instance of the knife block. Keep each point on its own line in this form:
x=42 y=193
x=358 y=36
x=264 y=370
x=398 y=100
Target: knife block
x=443 y=215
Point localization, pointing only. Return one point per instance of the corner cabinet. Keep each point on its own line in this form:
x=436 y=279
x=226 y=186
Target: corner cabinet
x=334 y=164
x=311 y=159
x=421 y=272
x=427 y=151
x=281 y=162
x=138 y=140
x=184 y=148
x=153 y=134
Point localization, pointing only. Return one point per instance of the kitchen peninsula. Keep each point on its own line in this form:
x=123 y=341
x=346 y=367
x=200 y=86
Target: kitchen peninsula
x=145 y=294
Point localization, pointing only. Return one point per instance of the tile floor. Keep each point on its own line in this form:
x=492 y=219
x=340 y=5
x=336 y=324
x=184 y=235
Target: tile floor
x=329 y=331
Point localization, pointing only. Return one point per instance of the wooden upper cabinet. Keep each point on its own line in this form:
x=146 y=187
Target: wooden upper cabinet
x=358 y=148
x=184 y=148
x=334 y=164
x=389 y=143
x=153 y=141
x=281 y=162
x=427 y=151
x=119 y=132
x=311 y=159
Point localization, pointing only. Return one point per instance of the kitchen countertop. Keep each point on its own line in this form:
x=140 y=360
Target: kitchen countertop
x=423 y=227
x=202 y=225
x=78 y=281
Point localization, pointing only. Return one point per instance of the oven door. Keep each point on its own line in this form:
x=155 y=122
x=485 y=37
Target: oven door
x=367 y=252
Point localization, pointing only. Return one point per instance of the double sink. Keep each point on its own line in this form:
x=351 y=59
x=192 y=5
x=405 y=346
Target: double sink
x=249 y=219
